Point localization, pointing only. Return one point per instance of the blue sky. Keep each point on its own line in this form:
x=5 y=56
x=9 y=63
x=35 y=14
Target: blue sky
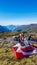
x=18 y=12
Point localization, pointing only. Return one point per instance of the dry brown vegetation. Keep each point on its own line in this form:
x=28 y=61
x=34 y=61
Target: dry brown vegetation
x=8 y=34
x=33 y=34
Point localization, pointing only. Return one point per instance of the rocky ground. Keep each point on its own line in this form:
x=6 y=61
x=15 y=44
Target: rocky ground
x=7 y=41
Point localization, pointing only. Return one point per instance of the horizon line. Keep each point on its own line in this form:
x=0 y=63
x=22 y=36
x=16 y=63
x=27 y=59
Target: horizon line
x=18 y=24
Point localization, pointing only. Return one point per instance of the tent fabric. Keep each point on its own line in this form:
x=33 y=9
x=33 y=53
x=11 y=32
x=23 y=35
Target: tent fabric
x=21 y=51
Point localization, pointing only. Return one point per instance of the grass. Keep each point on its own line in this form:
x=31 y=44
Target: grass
x=7 y=58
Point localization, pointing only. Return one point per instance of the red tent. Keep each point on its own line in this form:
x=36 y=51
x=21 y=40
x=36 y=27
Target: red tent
x=26 y=50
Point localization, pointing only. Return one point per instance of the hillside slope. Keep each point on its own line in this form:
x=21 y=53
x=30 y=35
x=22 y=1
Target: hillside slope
x=27 y=28
x=4 y=29
x=19 y=28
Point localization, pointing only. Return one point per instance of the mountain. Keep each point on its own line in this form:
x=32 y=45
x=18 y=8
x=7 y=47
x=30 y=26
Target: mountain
x=4 y=29
x=8 y=28
x=26 y=28
x=11 y=27
x=19 y=28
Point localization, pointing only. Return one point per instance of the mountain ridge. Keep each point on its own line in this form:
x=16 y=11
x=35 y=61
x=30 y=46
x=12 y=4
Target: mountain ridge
x=19 y=28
